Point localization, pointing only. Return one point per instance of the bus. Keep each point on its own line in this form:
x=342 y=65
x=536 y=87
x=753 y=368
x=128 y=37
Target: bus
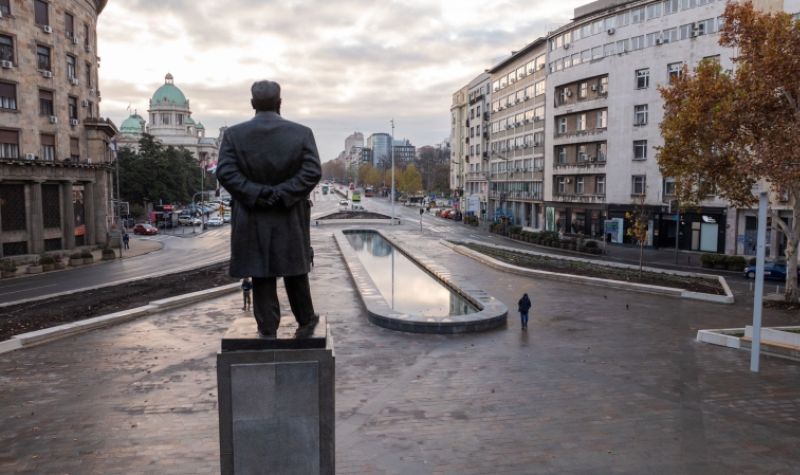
x=356 y=196
x=324 y=189
x=369 y=192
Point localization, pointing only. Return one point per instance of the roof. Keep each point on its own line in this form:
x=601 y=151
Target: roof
x=517 y=54
x=132 y=125
x=169 y=95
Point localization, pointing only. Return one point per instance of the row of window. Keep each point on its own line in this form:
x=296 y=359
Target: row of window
x=518 y=143
x=9 y=102
x=577 y=185
x=529 y=68
x=629 y=17
x=44 y=61
x=41 y=17
x=581 y=122
x=10 y=140
x=522 y=95
x=656 y=38
x=518 y=120
x=595 y=152
x=519 y=165
x=598 y=86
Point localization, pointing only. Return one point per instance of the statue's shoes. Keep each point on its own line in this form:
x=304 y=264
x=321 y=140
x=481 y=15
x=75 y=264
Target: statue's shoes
x=267 y=334
x=307 y=330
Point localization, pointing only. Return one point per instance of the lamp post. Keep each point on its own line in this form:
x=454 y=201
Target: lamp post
x=392 y=151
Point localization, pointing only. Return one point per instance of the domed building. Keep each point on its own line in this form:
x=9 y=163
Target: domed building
x=170 y=122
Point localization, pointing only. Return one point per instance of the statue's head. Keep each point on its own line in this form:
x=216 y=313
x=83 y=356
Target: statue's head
x=266 y=96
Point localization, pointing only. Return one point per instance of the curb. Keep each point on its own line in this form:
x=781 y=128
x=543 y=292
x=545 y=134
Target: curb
x=388 y=221
x=25 y=340
x=596 y=281
x=116 y=282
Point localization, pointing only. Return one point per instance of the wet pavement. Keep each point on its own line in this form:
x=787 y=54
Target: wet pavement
x=603 y=381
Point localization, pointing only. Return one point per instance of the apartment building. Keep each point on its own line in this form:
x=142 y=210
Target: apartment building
x=517 y=136
x=604 y=69
x=458 y=143
x=55 y=174
x=476 y=168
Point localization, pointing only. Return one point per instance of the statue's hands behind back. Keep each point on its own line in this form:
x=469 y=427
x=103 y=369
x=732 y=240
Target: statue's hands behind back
x=268 y=198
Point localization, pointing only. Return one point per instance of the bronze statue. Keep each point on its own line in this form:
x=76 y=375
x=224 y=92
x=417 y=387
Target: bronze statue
x=270 y=165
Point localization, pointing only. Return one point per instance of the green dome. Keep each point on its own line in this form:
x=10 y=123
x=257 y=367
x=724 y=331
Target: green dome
x=189 y=121
x=132 y=125
x=168 y=94
x=200 y=125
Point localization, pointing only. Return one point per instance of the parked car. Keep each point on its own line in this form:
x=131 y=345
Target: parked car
x=772 y=271
x=146 y=229
x=226 y=217
x=344 y=203
x=216 y=221
x=190 y=221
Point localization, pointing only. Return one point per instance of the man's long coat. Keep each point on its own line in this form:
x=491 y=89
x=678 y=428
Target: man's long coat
x=269 y=151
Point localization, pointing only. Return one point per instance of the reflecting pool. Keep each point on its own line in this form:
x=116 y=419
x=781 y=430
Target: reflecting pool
x=402 y=283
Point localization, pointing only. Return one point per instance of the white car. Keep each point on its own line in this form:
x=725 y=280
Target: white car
x=216 y=221
x=344 y=203
x=226 y=217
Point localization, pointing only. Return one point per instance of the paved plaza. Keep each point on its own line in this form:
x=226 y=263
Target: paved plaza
x=603 y=381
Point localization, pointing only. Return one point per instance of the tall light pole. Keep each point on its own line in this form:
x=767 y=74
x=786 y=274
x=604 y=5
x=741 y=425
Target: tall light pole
x=392 y=150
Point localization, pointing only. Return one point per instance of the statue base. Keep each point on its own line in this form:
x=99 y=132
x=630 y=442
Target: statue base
x=276 y=400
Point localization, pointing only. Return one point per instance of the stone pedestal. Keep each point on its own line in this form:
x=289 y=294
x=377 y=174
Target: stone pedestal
x=276 y=400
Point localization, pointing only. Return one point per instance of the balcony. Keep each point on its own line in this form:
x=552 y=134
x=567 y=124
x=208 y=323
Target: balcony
x=516 y=195
x=589 y=135
x=588 y=166
x=475 y=176
x=579 y=198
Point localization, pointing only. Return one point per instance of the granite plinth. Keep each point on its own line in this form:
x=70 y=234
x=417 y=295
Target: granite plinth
x=276 y=401
x=243 y=335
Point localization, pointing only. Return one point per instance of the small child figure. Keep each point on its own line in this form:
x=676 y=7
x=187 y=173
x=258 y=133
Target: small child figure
x=247 y=286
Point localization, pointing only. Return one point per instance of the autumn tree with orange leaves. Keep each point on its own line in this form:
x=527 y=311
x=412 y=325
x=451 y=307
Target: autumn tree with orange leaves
x=726 y=132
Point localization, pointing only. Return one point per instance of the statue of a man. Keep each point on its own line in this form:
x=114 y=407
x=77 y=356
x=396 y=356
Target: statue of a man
x=270 y=165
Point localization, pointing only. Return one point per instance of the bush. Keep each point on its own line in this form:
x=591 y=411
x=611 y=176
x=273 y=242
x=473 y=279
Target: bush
x=46 y=260
x=108 y=252
x=515 y=229
x=76 y=255
x=86 y=254
x=7 y=265
x=590 y=245
x=736 y=263
x=708 y=260
x=751 y=261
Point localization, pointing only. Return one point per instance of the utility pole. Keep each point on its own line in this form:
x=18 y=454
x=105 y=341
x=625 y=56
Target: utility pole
x=392 y=150
x=758 y=298
x=116 y=210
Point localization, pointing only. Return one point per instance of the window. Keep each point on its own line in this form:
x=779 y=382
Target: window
x=674 y=70
x=6 y=48
x=581 y=122
x=637 y=15
x=8 y=96
x=687 y=4
x=670 y=35
x=72 y=107
x=637 y=42
x=539 y=88
x=521 y=72
x=623 y=46
x=671 y=6
x=579 y=185
x=503 y=82
x=538 y=139
x=609 y=49
x=601 y=152
x=5 y=7
x=601 y=120
x=530 y=67
x=9 y=145
x=86 y=42
x=597 y=52
x=72 y=71
x=538 y=113
x=69 y=25
x=45 y=102
x=640 y=114
x=561 y=152
x=638 y=184
x=653 y=11
x=43 y=58
x=48 y=147
x=623 y=19
x=640 y=149
x=586 y=56
x=582 y=156
x=669 y=187
x=165 y=119
x=643 y=78
x=562 y=185
x=41 y=15
x=90 y=109
x=600 y=185
x=540 y=62
x=583 y=90
x=562 y=125
x=74 y=149
x=495 y=86
x=603 y=89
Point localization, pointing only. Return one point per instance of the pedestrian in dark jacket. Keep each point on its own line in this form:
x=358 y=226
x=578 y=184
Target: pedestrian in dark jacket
x=247 y=286
x=524 y=305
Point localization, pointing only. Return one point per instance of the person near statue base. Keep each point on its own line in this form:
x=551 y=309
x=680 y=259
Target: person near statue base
x=270 y=165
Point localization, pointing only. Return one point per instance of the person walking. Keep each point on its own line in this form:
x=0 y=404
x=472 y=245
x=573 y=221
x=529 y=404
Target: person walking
x=126 y=239
x=524 y=305
x=270 y=166
x=247 y=286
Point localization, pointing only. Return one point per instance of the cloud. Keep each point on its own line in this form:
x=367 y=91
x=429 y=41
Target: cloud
x=344 y=65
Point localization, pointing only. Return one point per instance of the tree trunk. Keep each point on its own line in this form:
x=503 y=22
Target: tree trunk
x=641 y=257
x=791 y=292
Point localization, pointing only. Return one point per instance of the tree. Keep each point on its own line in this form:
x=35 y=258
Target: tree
x=638 y=229
x=410 y=180
x=726 y=132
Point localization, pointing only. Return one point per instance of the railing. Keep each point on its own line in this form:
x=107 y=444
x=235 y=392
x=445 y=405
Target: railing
x=515 y=195
x=579 y=165
x=580 y=197
x=580 y=133
x=476 y=176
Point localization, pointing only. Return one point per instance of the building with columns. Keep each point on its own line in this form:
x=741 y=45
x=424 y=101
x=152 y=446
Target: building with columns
x=171 y=123
x=55 y=161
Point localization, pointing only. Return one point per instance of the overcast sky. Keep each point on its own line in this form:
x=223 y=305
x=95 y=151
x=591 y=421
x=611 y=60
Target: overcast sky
x=344 y=66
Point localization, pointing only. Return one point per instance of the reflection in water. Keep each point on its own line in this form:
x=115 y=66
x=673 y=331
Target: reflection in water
x=406 y=287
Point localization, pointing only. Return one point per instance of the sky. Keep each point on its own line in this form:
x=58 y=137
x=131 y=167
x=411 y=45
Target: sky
x=343 y=65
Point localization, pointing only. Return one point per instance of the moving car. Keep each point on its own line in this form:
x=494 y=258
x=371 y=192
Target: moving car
x=146 y=229
x=190 y=221
x=772 y=271
x=216 y=221
x=344 y=203
x=226 y=217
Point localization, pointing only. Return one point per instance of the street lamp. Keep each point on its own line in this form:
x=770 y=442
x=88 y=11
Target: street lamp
x=392 y=150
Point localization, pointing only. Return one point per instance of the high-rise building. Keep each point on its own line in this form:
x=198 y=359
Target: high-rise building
x=381 y=146
x=458 y=142
x=55 y=178
x=477 y=146
x=404 y=151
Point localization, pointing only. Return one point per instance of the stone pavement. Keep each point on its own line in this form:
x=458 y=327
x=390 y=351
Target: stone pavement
x=604 y=381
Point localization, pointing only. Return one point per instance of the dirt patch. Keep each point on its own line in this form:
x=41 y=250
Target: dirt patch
x=563 y=266
x=33 y=316
x=354 y=215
